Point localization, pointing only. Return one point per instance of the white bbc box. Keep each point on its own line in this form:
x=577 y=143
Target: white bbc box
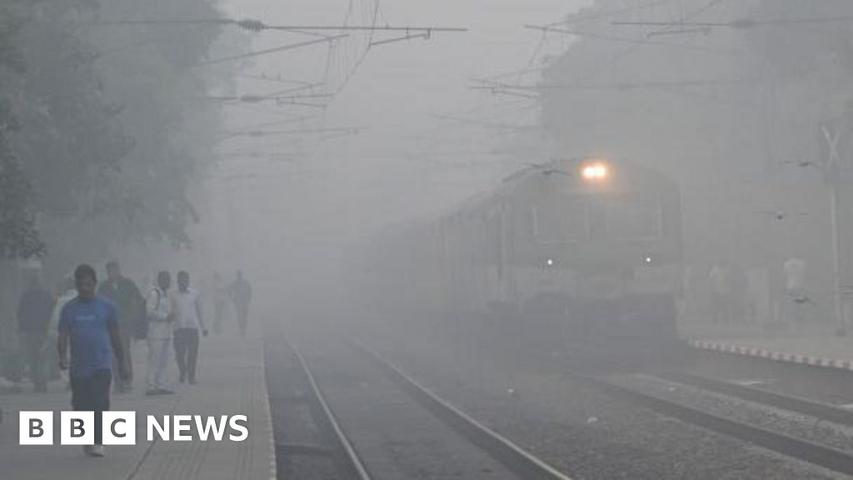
x=35 y=428
x=119 y=428
x=77 y=428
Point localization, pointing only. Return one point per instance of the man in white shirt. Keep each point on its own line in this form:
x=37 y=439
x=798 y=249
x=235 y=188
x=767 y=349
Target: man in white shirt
x=720 y=287
x=188 y=323
x=67 y=293
x=161 y=316
x=795 y=288
x=795 y=277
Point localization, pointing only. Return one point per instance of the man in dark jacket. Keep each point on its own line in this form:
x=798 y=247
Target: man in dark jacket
x=34 y=310
x=241 y=295
x=130 y=305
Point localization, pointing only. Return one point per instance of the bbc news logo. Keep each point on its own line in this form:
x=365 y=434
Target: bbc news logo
x=119 y=428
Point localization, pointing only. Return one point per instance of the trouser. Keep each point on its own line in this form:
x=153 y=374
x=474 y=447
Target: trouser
x=158 y=362
x=186 y=352
x=51 y=358
x=125 y=338
x=721 y=308
x=92 y=394
x=218 y=315
x=242 y=318
x=34 y=351
x=796 y=304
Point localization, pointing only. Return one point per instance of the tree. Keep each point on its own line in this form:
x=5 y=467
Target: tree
x=18 y=234
x=111 y=130
x=19 y=237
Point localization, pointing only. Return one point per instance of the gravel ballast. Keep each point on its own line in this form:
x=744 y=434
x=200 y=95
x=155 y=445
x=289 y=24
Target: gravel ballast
x=582 y=431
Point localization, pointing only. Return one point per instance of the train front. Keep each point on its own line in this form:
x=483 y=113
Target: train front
x=597 y=260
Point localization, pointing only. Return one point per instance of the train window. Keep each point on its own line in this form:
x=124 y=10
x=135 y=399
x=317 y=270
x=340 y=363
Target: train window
x=633 y=217
x=560 y=221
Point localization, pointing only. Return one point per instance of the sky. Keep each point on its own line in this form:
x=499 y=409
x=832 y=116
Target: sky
x=406 y=162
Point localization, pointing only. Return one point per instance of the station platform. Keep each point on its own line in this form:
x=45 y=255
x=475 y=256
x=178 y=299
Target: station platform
x=231 y=381
x=810 y=345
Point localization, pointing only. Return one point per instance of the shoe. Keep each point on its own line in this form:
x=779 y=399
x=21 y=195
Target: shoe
x=87 y=450
x=97 y=451
x=158 y=391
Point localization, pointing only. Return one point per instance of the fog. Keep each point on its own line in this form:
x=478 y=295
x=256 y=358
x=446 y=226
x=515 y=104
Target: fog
x=745 y=106
x=407 y=162
x=590 y=225
x=735 y=116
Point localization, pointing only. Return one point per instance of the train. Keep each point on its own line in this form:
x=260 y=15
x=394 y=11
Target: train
x=570 y=257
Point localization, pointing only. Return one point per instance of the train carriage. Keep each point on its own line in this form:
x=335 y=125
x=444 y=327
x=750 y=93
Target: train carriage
x=577 y=257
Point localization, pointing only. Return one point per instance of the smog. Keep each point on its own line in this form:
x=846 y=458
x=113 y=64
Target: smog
x=426 y=239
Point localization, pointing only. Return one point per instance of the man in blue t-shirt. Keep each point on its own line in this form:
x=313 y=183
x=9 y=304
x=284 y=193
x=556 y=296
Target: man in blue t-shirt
x=89 y=324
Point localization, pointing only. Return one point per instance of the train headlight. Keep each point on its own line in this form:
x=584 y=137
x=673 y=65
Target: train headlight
x=550 y=262
x=597 y=171
x=649 y=260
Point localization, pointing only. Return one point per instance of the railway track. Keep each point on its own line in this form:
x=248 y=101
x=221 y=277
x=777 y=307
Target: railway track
x=778 y=400
x=356 y=433
x=347 y=459
x=523 y=463
x=310 y=443
x=818 y=454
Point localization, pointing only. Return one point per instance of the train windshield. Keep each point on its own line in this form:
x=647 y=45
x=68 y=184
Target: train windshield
x=560 y=221
x=633 y=217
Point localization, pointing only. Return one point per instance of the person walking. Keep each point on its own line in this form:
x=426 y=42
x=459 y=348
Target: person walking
x=89 y=324
x=220 y=297
x=129 y=304
x=160 y=311
x=34 y=310
x=795 y=289
x=240 y=292
x=721 y=294
x=65 y=293
x=188 y=323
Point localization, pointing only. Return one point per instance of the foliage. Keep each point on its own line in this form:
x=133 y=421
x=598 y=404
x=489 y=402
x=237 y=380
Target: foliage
x=111 y=130
x=18 y=235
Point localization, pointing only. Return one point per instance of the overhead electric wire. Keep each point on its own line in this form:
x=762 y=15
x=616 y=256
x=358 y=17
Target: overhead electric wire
x=612 y=38
x=272 y=79
x=366 y=28
x=741 y=23
x=273 y=123
x=595 y=16
x=363 y=56
x=283 y=48
x=708 y=6
x=257 y=25
x=259 y=108
x=592 y=72
x=622 y=85
x=299 y=131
